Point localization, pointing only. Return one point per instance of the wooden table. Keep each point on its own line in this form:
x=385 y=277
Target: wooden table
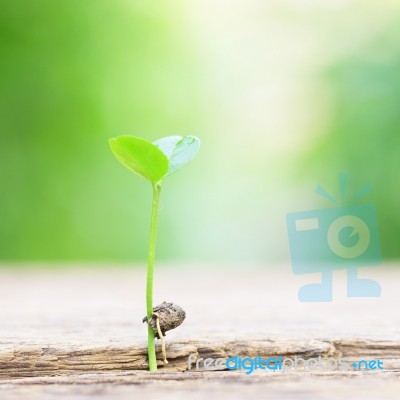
x=77 y=333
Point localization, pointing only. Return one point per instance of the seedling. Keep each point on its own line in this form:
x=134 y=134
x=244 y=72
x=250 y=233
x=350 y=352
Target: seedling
x=154 y=161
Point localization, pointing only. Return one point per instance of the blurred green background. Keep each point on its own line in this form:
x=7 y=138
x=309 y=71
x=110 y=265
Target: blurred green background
x=284 y=95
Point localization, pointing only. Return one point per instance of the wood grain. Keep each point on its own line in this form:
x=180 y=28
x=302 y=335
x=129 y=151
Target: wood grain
x=82 y=330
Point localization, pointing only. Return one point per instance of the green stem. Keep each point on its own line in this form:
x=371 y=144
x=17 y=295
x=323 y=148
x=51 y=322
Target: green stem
x=150 y=270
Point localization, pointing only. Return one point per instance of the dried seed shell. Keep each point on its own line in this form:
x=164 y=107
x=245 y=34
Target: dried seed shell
x=170 y=316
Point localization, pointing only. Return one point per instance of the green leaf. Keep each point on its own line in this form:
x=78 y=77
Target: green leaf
x=140 y=156
x=179 y=150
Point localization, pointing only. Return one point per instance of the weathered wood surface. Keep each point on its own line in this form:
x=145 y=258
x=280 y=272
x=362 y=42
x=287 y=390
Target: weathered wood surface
x=45 y=361
x=84 y=327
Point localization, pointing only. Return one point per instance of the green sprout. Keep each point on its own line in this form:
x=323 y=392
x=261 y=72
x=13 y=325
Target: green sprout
x=154 y=161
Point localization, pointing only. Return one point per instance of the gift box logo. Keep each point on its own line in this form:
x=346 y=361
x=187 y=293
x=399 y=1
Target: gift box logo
x=339 y=237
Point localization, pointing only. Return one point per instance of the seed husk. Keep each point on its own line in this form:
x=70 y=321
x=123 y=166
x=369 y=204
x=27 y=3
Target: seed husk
x=169 y=316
